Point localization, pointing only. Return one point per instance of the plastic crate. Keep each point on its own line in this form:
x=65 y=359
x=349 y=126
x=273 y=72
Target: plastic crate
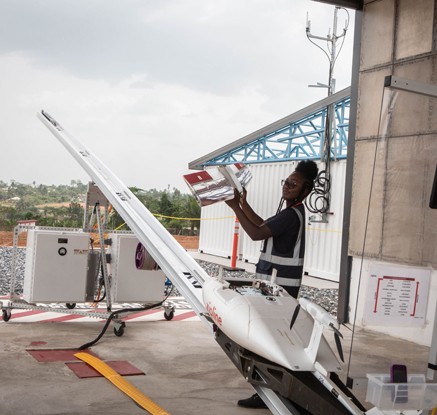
x=416 y=394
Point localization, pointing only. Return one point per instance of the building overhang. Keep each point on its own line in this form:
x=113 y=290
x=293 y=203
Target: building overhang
x=350 y=4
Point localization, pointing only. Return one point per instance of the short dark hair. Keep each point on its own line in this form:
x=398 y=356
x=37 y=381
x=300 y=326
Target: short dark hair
x=309 y=170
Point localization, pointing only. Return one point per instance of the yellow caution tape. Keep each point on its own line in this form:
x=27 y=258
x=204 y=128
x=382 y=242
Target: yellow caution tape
x=158 y=215
x=122 y=384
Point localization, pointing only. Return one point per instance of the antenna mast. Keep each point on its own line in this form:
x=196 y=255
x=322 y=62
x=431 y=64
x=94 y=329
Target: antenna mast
x=322 y=185
x=331 y=51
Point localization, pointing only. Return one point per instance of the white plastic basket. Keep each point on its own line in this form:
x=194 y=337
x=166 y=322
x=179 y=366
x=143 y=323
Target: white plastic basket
x=416 y=394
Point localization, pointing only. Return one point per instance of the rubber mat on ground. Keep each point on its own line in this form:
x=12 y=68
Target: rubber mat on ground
x=56 y=355
x=84 y=370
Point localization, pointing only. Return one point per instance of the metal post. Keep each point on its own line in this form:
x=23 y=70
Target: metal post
x=14 y=262
x=329 y=136
x=235 y=243
x=345 y=259
x=103 y=259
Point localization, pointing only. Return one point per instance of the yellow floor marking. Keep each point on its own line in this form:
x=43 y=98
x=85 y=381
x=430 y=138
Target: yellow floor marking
x=122 y=384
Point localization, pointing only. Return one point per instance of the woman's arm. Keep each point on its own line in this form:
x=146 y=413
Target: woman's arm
x=247 y=209
x=256 y=229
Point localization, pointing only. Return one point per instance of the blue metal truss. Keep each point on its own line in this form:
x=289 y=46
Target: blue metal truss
x=301 y=139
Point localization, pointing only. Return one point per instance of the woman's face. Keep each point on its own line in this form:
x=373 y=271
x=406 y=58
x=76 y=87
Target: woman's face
x=294 y=187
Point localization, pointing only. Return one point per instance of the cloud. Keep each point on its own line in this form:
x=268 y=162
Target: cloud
x=151 y=85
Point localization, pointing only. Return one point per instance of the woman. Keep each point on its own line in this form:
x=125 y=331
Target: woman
x=283 y=249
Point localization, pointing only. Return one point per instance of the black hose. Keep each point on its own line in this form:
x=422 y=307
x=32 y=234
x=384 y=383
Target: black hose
x=114 y=313
x=102 y=284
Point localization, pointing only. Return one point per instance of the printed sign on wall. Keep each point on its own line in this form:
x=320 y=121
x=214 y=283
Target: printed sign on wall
x=396 y=295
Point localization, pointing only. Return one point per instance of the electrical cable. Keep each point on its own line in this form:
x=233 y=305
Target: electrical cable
x=102 y=284
x=114 y=313
x=281 y=203
x=319 y=200
x=315 y=44
x=334 y=59
x=343 y=37
x=344 y=32
x=365 y=230
x=99 y=300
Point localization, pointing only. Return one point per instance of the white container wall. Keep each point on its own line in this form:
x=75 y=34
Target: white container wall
x=56 y=266
x=323 y=240
x=217 y=230
x=131 y=282
x=264 y=193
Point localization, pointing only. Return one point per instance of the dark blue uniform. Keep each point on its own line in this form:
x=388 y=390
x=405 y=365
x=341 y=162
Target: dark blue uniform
x=283 y=253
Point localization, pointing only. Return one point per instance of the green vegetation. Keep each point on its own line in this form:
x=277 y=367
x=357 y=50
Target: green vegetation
x=62 y=206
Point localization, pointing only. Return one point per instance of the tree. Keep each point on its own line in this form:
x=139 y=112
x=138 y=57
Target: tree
x=8 y=217
x=35 y=203
x=75 y=213
x=193 y=211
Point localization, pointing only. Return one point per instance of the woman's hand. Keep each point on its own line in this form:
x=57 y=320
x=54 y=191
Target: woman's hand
x=235 y=202
x=243 y=196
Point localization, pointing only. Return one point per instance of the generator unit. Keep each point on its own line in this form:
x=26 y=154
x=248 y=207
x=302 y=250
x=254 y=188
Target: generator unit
x=135 y=275
x=56 y=266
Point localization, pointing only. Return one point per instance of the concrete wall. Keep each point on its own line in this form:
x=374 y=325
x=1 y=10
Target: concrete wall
x=396 y=146
x=396 y=136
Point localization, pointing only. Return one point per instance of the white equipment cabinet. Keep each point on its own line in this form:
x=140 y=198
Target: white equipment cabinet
x=56 y=266
x=131 y=284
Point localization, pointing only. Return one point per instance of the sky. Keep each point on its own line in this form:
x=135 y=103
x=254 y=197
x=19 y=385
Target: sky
x=151 y=85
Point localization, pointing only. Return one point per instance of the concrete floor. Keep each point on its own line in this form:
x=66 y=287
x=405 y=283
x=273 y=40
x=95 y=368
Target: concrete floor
x=186 y=372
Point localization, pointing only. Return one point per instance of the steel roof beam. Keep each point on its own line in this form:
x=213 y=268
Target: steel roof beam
x=284 y=123
x=301 y=139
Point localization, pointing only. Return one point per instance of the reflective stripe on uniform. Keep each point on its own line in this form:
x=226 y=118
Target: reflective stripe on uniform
x=264 y=277
x=288 y=282
x=283 y=282
x=296 y=252
x=279 y=260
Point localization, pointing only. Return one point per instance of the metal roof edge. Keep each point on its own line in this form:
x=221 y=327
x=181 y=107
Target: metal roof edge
x=289 y=119
x=350 y=4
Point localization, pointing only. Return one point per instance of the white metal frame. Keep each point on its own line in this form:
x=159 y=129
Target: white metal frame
x=15 y=302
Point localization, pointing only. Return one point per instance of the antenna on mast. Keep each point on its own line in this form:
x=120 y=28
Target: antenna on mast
x=331 y=47
x=320 y=204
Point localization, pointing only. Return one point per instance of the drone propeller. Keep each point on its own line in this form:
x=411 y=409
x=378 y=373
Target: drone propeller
x=295 y=314
x=337 y=336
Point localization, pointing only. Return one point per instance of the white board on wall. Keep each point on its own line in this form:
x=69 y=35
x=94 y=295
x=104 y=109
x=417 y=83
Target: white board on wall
x=396 y=295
